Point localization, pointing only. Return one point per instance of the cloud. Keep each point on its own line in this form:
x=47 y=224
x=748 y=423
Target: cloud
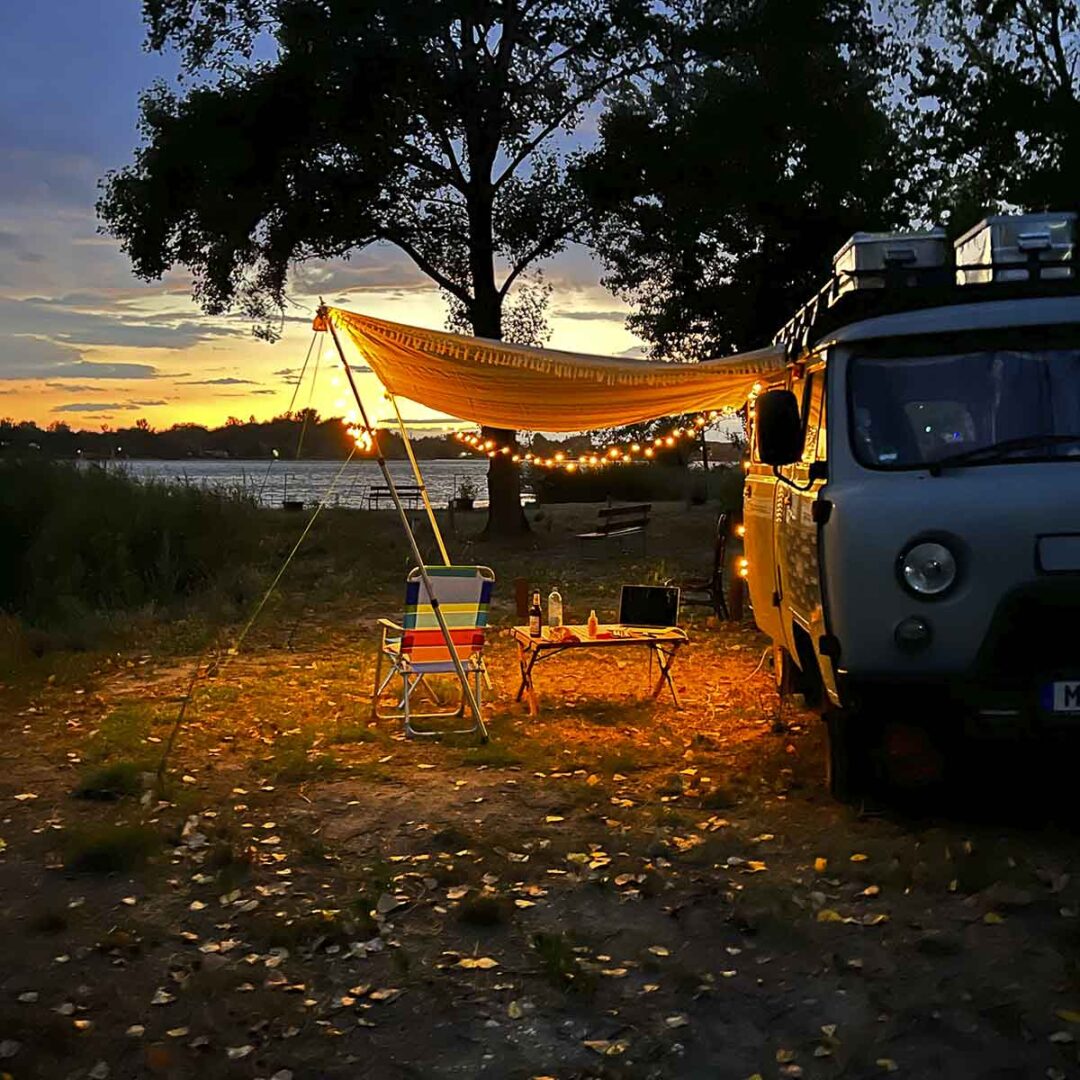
x=264 y=391
x=220 y=382
x=13 y=243
x=94 y=406
x=591 y=316
x=24 y=357
x=41 y=316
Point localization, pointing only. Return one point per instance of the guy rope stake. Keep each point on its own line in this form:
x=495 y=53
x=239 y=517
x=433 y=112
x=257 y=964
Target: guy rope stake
x=323 y=320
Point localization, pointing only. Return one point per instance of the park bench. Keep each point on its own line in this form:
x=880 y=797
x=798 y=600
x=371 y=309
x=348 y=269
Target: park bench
x=408 y=493
x=618 y=523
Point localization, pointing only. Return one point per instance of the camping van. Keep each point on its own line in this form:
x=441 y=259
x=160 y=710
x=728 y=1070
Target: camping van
x=912 y=494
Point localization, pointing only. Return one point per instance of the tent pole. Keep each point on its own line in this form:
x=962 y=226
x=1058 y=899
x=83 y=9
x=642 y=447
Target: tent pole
x=466 y=686
x=419 y=479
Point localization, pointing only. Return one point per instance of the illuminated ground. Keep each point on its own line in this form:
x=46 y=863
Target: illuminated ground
x=615 y=889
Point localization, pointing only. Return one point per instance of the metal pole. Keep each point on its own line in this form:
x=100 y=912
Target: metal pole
x=419 y=480
x=466 y=687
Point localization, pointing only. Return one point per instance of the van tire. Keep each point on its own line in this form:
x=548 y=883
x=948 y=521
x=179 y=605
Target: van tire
x=847 y=754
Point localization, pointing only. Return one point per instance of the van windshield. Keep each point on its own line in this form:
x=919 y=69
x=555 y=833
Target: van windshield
x=912 y=411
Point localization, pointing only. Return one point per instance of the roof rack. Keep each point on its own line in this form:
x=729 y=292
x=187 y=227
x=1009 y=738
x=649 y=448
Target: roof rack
x=852 y=295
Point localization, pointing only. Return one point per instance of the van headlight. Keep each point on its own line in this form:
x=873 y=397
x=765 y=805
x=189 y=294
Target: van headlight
x=928 y=568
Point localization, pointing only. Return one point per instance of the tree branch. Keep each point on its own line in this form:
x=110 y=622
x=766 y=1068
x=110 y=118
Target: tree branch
x=427 y=266
x=537 y=249
x=1035 y=29
x=556 y=122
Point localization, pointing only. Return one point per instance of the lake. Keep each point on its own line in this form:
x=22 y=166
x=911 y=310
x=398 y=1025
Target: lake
x=309 y=481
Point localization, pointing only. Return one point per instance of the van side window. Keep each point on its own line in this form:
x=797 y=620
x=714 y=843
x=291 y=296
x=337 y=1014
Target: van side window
x=814 y=418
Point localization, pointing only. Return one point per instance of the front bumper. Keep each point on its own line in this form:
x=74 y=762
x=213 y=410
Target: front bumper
x=1033 y=640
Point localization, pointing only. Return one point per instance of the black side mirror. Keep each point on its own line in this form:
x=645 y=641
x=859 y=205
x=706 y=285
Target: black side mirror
x=779 y=427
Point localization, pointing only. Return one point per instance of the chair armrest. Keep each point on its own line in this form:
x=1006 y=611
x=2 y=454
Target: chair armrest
x=388 y=625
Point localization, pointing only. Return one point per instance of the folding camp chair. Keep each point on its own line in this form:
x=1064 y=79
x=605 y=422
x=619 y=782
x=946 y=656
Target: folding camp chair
x=417 y=648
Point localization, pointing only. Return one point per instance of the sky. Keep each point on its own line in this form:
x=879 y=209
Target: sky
x=85 y=342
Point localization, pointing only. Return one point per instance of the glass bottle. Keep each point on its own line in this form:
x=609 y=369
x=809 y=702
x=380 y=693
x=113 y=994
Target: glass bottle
x=536 y=618
x=554 y=608
x=594 y=623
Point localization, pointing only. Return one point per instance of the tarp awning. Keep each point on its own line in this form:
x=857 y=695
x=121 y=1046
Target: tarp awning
x=519 y=387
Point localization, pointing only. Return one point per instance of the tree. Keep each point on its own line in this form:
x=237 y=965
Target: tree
x=994 y=99
x=432 y=127
x=723 y=189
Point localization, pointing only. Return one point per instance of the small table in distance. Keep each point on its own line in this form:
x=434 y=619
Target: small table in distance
x=664 y=641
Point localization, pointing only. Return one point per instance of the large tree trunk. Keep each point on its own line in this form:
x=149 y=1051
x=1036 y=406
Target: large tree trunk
x=505 y=516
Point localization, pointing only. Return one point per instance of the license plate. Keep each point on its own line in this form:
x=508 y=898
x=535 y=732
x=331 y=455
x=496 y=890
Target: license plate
x=1062 y=697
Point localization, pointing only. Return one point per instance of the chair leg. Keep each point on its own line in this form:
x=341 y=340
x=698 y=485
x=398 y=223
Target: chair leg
x=378 y=688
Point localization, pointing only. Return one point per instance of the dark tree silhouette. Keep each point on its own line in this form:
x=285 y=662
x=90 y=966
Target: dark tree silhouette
x=994 y=102
x=430 y=126
x=723 y=189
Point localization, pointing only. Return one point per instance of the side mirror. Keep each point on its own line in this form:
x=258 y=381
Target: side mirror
x=779 y=427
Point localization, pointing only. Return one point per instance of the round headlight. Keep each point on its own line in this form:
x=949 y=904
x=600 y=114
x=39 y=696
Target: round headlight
x=928 y=568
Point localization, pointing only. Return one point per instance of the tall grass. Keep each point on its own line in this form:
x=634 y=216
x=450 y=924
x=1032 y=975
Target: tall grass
x=76 y=540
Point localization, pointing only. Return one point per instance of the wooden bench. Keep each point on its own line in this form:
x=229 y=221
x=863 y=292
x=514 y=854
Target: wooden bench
x=618 y=523
x=408 y=493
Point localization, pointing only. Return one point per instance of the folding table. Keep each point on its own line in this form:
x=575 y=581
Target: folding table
x=663 y=641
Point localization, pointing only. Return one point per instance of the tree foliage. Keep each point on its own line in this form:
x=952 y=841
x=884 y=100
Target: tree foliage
x=314 y=128
x=994 y=98
x=724 y=187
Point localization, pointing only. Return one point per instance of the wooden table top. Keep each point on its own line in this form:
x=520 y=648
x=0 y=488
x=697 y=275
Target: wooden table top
x=607 y=634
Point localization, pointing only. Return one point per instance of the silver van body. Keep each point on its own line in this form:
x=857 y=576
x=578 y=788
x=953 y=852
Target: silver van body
x=832 y=539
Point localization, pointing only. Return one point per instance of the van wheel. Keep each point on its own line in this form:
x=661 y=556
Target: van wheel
x=847 y=757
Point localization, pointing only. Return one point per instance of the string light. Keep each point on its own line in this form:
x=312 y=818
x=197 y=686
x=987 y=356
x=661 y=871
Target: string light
x=614 y=454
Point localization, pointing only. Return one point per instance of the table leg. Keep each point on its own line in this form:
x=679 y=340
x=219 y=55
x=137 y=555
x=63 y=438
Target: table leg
x=526 y=660
x=665 y=659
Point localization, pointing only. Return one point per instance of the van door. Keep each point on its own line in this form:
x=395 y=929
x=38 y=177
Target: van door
x=759 y=543
x=798 y=566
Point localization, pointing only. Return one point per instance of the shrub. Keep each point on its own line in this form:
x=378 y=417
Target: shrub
x=74 y=540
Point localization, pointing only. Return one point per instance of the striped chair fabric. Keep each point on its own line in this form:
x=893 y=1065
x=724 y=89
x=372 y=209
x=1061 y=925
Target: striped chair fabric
x=464 y=594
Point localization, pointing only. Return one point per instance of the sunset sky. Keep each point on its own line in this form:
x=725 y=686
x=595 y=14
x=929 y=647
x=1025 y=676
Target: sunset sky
x=81 y=339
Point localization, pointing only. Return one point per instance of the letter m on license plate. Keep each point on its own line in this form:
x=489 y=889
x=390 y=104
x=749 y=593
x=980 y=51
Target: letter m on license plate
x=1063 y=697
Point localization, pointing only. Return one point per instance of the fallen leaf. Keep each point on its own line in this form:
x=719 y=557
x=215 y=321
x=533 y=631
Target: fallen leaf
x=1070 y=1016
x=992 y=918
x=457 y=892
x=482 y=963
x=888 y=1064
x=820 y=865
x=828 y=915
x=25 y=796
x=677 y=1021
x=551 y=819
x=659 y=950
x=162 y=997
x=859 y=857
x=607 y=1047
x=237 y=1053
x=1062 y=1038
x=514 y=1010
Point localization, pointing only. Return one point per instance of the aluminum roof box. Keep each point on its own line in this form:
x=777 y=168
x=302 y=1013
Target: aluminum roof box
x=991 y=250
x=866 y=260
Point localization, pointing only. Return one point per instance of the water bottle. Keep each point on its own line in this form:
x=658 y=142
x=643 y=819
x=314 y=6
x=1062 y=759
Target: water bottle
x=554 y=608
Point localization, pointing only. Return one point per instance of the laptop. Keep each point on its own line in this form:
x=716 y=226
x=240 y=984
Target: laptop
x=649 y=606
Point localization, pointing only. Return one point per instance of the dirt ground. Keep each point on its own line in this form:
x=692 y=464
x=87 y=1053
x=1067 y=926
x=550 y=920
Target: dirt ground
x=616 y=888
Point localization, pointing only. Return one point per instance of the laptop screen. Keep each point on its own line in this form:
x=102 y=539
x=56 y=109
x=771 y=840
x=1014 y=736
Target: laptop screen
x=649 y=605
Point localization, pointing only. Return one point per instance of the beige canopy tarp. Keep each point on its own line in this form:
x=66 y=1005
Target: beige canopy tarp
x=519 y=387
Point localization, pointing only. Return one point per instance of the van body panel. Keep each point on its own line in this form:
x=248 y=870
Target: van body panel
x=992 y=517
x=833 y=578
